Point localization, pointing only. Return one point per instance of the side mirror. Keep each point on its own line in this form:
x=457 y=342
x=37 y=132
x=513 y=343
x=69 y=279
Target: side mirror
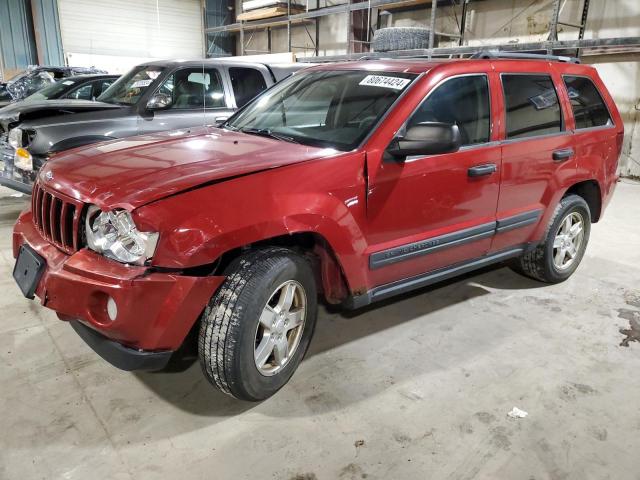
x=159 y=101
x=429 y=138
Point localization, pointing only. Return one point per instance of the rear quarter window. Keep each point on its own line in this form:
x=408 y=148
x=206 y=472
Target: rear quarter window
x=589 y=110
x=246 y=84
x=532 y=107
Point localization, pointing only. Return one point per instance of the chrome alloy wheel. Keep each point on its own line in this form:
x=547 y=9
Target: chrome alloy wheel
x=568 y=241
x=280 y=328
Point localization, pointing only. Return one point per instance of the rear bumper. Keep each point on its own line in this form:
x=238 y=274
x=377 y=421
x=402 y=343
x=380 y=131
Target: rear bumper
x=155 y=310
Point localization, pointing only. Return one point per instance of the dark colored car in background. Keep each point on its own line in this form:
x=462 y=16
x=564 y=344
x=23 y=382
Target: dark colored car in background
x=80 y=87
x=152 y=97
x=36 y=78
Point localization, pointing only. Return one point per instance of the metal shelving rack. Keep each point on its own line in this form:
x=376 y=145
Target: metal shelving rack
x=310 y=18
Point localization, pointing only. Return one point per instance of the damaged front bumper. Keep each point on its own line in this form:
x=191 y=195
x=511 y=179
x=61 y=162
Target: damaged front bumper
x=155 y=310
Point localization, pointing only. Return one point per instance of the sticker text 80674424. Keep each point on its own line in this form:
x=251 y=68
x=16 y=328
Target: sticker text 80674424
x=396 y=83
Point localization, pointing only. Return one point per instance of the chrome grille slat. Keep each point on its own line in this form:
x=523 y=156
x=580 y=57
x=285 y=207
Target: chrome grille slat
x=75 y=227
x=54 y=219
x=46 y=203
x=57 y=218
x=63 y=230
x=37 y=196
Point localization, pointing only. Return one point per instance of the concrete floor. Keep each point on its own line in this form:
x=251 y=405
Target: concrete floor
x=417 y=388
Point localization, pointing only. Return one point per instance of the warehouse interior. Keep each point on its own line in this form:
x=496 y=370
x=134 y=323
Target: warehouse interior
x=488 y=374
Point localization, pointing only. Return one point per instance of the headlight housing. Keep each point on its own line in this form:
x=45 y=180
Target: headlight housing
x=115 y=235
x=15 y=137
x=23 y=160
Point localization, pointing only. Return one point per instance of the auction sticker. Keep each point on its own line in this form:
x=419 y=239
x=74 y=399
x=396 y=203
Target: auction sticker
x=396 y=83
x=141 y=83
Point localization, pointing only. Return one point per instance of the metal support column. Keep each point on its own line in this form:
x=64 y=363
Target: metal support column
x=317 y=42
x=288 y=25
x=583 y=23
x=349 y=27
x=553 y=24
x=583 y=19
x=432 y=26
x=463 y=21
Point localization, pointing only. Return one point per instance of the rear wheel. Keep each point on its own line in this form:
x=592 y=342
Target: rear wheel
x=566 y=240
x=257 y=327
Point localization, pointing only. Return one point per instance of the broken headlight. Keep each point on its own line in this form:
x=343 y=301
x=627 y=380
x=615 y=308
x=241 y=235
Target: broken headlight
x=115 y=235
x=15 y=137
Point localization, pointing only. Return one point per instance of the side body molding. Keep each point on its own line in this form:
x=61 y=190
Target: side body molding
x=453 y=239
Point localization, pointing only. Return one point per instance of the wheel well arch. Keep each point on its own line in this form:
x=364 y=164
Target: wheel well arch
x=590 y=191
x=330 y=277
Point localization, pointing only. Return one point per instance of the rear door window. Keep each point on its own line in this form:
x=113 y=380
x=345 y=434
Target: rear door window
x=532 y=106
x=246 y=84
x=589 y=110
x=461 y=101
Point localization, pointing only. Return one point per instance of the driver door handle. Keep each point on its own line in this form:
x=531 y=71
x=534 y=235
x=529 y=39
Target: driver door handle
x=480 y=170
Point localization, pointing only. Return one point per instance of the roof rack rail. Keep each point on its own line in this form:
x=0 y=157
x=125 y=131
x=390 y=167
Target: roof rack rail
x=527 y=56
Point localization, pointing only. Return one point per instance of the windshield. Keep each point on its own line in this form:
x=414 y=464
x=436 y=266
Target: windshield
x=52 y=91
x=128 y=89
x=335 y=109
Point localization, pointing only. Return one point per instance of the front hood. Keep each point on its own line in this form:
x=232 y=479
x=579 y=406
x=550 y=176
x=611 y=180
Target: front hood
x=24 y=110
x=131 y=172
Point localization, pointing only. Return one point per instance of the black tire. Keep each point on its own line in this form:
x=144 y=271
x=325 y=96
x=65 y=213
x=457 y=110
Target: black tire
x=538 y=263
x=400 y=38
x=229 y=324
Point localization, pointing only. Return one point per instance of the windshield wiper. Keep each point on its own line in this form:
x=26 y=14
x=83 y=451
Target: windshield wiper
x=267 y=132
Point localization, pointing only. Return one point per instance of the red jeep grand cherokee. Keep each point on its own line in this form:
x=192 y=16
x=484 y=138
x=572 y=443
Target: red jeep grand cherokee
x=351 y=182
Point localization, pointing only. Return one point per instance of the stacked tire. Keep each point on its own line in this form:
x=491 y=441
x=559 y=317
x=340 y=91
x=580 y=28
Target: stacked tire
x=400 y=38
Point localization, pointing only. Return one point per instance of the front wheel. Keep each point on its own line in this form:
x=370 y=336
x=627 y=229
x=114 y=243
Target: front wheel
x=566 y=240
x=257 y=327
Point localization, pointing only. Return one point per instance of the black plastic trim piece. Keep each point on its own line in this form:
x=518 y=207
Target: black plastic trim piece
x=430 y=245
x=406 y=285
x=118 y=355
x=454 y=239
x=518 y=221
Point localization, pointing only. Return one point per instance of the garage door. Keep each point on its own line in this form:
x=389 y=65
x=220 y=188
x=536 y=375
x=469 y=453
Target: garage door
x=140 y=28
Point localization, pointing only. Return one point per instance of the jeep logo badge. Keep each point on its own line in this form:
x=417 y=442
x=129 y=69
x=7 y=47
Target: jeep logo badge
x=49 y=175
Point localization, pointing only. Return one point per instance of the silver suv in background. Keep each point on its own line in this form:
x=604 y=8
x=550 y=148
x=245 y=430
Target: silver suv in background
x=152 y=97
